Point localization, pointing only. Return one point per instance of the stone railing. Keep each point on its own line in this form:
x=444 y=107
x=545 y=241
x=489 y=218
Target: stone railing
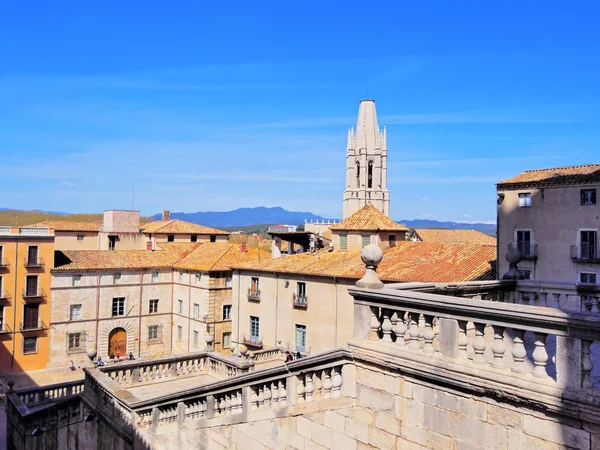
x=260 y=393
x=34 y=231
x=157 y=370
x=267 y=354
x=25 y=399
x=5 y=230
x=525 y=351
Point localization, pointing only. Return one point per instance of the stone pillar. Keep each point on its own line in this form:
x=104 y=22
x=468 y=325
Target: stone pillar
x=448 y=337
x=568 y=362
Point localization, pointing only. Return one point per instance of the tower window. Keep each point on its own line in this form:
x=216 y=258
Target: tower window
x=357 y=174
x=370 y=175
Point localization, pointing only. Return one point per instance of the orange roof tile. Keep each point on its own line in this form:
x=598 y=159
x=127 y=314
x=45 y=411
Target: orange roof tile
x=179 y=227
x=65 y=225
x=560 y=175
x=217 y=257
x=448 y=235
x=433 y=262
x=368 y=218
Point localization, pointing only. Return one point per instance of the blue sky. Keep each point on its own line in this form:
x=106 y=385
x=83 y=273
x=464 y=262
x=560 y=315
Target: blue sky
x=210 y=107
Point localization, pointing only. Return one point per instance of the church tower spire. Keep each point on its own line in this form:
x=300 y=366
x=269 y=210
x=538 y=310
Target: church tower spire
x=366 y=163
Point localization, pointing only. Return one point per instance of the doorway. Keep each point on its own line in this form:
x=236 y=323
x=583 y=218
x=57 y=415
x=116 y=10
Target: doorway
x=117 y=342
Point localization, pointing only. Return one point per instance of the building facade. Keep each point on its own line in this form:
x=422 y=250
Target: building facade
x=366 y=163
x=553 y=217
x=26 y=259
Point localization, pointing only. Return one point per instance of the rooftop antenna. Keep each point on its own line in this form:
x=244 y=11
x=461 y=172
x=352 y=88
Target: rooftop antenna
x=133 y=197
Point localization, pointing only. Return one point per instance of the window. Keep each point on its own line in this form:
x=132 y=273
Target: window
x=180 y=304
x=179 y=332
x=32 y=255
x=226 y=340
x=170 y=238
x=80 y=237
x=75 y=341
x=196 y=311
x=254 y=328
x=301 y=338
x=524 y=242
x=213 y=238
x=525 y=200
x=194 y=238
x=357 y=174
x=587 y=278
x=392 y=240
x=116 y=277
x=181 y=277
x=228 y=281
x=152 y=332
x=301 y=289
x=198 y=277
x=112 y=242
x=195 y=337
x=30 y=345
x=31 y=289
x=1 y=292
x=75 y=312
x=31 y=315
x=118 y=306
x=255 y=285
x=343 y=242
x=153 y=306
x=2 y=319
x=154 y=277
x=588 y=245
x=366 y=240
x=370 y=175
x=226 y=312
x=76 y=279
x=588 y=197
x=1 y=255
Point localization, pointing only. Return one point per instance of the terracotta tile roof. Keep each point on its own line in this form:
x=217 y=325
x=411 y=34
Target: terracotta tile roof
x=448 y=235
x=368 y=218
x=65 y=225
x=167 y=255
x=179 y=227
x=433 y=262
x=218 y=257
x=560 y=175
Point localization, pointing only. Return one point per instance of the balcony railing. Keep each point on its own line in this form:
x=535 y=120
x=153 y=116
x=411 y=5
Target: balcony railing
x=528 y=251
x=33 y=293
x=252 y=341
x=300 y=301
x=4 y=295
x=254 y=295
x=585 y=253
x=34 y=262
x=4 y=328
x=32 y=326
x=4 y=264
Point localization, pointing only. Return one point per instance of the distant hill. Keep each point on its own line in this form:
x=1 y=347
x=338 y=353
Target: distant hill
x=259 y=218
x=244 y=217
x=19 y=218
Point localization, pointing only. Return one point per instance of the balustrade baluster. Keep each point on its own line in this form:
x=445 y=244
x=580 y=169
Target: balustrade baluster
x=518 y=352
x=336 y=383
x=300 y=390
x=386 y=325
x=595 y=304
x=254 y=398
x=374 y=323
x=463 y=340
x=555 y=300
x=498 y=348
x=267 y=395
x=309 y=387
x=586 y=364
x=400 y=328
x=282 y=393
x=479 y=344
x=413 y=330
x=261 y=397
x=540 y=355
x=274 y=394
x=428 y=335
x=543 y=299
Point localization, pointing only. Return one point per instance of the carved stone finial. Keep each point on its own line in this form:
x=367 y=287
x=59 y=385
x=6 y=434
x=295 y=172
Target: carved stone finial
x=513 y=256
x=209 y=339
x=371 y=255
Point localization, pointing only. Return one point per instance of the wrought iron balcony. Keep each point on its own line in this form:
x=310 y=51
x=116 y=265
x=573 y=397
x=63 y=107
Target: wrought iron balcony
x=4 y=264
x=33 y=293
x=252 y=341
x=34 y=263
x=585 y=254
x=254 y=295
x=300 y=301
x=32 y=326
x=528 y=251
x=4 y=328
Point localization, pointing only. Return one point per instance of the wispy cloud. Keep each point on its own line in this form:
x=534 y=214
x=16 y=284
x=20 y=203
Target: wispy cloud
x=67 y=183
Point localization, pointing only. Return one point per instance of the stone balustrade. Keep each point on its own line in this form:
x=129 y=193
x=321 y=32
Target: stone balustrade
x=34 y=231
x=267 y=354
x=532 y=348
x=47 y=394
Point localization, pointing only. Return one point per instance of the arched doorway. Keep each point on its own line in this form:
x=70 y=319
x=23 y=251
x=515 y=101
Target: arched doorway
x=117 y=342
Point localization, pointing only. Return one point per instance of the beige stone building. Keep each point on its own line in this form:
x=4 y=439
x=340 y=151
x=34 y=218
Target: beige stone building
x=149 y=303
x=167 y=230
x=553 y=217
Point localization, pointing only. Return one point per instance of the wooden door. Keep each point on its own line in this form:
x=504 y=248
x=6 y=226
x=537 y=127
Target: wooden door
x=117 y=342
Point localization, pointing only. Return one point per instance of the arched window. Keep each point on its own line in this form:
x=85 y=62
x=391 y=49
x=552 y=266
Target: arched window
x=370 y=175
x=357 y=174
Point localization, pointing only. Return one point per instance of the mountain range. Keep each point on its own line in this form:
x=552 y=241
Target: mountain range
x=261 y=215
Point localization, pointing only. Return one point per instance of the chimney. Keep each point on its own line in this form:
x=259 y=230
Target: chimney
x=166 y=214
x=243 y=247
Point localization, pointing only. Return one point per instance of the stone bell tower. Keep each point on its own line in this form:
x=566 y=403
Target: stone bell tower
x=366 y=163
